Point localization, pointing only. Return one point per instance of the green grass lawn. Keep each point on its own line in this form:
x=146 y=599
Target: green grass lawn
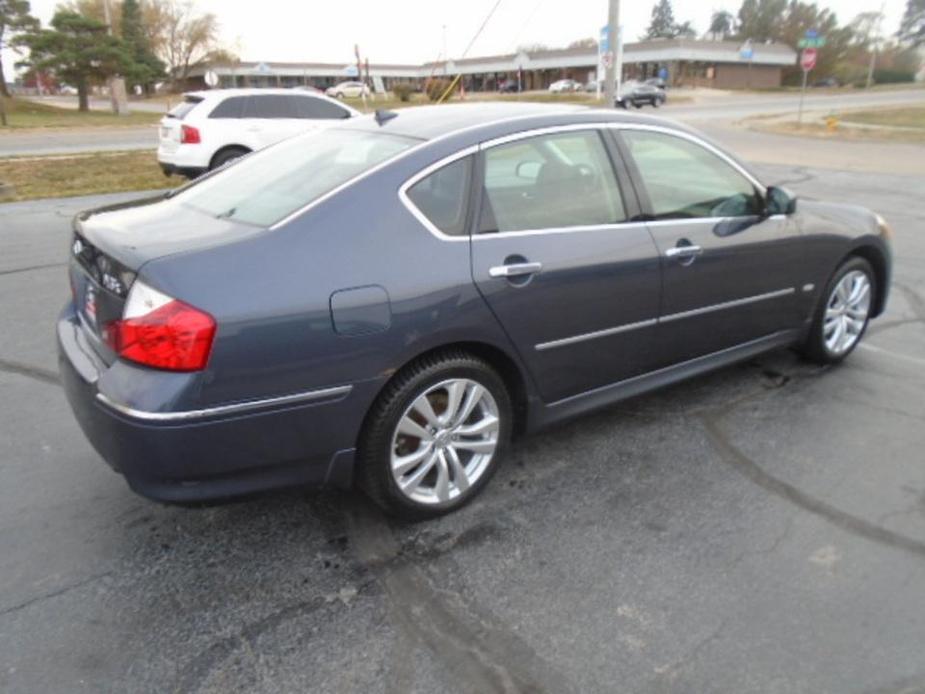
x=22 y=113
x=84 y=174
x=907 y=117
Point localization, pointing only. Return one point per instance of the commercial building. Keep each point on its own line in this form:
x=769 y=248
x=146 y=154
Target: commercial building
x=687 y=62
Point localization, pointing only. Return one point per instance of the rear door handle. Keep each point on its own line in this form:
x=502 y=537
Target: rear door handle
x=683 y=252
x=515 y=269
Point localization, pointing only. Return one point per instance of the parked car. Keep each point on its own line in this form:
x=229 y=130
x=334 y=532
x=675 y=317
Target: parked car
x=508 y=87
x=208 y=129
x=67 y=90
x=350 y=90
x=827 y=82
x=562 y=86
x=638 y=94
x=657 y=82
x=344 y=308
x=591 y=86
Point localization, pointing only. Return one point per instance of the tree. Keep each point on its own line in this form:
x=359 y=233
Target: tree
x=146 y=67
x=180 y=36
x=78 y=50
x=590 y=43
x=662 y=24
x=759 y=20
x=14 y=20
x=722 y=24
x=912 y=26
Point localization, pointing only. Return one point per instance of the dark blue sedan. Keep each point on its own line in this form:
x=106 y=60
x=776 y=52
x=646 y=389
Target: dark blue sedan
x=388 y=302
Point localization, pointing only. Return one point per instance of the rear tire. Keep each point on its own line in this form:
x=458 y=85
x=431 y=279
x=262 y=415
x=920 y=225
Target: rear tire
x=226 y=155
x=422 y=456
x=843 y=313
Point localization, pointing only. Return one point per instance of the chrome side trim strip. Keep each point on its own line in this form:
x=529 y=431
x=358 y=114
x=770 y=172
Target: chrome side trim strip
x=664 y=319
x=727 y=304
x=598 y=333
x=234 y=408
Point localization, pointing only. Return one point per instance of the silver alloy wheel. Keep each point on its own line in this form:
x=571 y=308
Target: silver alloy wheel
x=445 y=441
x=846 y=312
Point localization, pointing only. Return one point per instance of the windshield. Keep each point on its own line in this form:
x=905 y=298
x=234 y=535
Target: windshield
x=268 y=186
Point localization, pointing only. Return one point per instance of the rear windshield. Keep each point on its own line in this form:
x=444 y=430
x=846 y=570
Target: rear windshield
x=180 y=110
x=269 y=185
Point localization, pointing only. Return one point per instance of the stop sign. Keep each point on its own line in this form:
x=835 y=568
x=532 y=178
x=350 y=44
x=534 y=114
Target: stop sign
x=808 y=59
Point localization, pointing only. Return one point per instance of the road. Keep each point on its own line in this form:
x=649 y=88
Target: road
x=719 y=110
x=760 y=529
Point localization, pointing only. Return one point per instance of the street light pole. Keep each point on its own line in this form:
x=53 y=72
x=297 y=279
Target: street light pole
x=610 y=71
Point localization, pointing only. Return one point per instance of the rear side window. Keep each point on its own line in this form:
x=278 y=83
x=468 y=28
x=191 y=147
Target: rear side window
x=443 y=196
x=310 y=107
x=184 y=107
x=550 y=181
x=270 y=106
x=232 y=107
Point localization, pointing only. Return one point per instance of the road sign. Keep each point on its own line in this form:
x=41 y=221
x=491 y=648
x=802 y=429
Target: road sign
x=815 y=42
x=604 y=45
x=607 y=59
x=811 y=33
x=808 y=59
x=746 y=52
x=211 y=78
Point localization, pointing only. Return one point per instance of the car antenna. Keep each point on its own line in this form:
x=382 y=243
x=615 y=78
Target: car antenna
x=383 y=116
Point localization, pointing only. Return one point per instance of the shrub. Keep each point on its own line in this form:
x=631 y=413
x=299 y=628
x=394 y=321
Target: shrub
x=436 y=88
x=893 y=76
x=403 y=91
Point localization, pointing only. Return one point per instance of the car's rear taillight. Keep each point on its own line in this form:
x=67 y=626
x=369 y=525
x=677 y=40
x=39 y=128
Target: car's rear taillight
x=161 y=332
x=189 y=135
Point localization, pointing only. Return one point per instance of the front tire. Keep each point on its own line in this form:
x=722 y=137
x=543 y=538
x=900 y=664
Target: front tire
x=843 y=313
x=435 y=436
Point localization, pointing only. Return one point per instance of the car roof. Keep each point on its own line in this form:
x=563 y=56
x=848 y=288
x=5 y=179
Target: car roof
x=246 y=91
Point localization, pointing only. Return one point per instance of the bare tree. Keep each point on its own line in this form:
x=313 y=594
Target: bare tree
x=182 y=38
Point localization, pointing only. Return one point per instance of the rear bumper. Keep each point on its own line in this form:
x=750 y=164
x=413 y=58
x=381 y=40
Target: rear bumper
x=188 y=171
x=212 y=454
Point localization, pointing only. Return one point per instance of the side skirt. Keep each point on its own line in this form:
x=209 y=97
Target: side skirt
x=575 y=405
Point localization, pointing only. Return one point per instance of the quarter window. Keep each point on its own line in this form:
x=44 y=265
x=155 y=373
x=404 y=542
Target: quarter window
x=685 y=180
x=443 y=196
x=550 y=181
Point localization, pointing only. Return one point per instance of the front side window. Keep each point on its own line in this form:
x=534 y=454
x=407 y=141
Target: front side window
x=550 y=181
x=270 y=184
x=443 y=196
x=685 y=180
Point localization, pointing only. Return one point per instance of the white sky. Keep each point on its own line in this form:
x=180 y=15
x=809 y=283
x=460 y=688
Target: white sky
x=411 y=31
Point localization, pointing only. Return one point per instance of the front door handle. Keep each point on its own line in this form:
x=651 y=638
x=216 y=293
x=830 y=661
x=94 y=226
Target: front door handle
x=515 y=269
x=683 y=252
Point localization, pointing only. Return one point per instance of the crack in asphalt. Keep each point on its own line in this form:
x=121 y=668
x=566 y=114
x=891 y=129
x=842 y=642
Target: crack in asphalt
x=793 y=494
x=35 y=372
x=479 y=656
x=31 y=268
x=196 y=672
x=55 y=593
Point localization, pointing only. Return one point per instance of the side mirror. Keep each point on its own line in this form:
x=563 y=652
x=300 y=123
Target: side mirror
x=779 y=201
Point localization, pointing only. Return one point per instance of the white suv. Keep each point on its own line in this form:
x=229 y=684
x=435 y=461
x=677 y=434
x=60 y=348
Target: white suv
x=208 y=129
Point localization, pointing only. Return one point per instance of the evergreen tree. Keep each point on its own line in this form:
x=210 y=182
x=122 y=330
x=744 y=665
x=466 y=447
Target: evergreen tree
x=662 y=24
x=78 y=50
x=146 y=67
x=14 y=19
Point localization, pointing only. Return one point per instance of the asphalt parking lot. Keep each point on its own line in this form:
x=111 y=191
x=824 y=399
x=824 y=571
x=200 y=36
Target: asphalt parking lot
x=760 y=529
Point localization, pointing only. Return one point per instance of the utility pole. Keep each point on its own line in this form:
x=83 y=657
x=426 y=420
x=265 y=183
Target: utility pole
x=117 y=94
x=613 y=33
x=875 y=45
